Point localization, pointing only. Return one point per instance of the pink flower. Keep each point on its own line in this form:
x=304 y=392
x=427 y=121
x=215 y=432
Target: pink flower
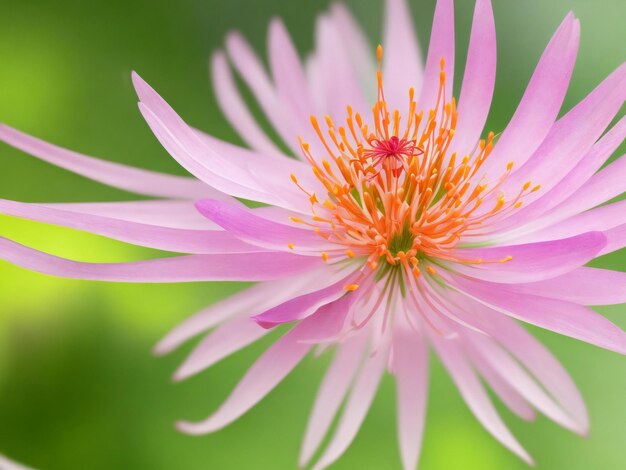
x=390 y=233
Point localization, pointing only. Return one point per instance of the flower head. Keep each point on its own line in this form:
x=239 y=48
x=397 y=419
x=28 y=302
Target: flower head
x=401 y=225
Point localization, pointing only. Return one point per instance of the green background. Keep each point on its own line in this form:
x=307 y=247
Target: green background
x=79 y=388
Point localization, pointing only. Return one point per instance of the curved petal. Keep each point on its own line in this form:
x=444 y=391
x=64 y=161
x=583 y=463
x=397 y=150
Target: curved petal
x=566 y=318
x=519 y=379
x=227 y=339
x=165 y=213
x=475 y=396
x=509 y=395
x=245 y=225
x=134 y=180
x=479 y=79
x=356 y=408
x=331 y=394
x=441 y=47
x=152 y=236
x=583 y=286
x=257 y=298
x=410 y=367
x=265 y=374
x=190 y=268
x=532 y=261
x=235 y=109
x=253 y=73
x=541 y=102
x=402 y=68
x=305 y=305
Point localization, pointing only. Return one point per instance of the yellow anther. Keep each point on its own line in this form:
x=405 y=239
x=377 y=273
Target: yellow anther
x=324 y=256
x=509 y=166
x=290 y=245
x=431 y=270
x=351 y=287
x=329 y=205
x=508 y=258
x=350 y=253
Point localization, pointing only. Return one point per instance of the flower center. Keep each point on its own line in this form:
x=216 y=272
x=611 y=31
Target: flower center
x=396 y=194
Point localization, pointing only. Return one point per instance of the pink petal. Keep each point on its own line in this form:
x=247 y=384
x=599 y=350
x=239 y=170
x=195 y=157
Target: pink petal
x=153 y=236
x=190 y=268
x=541 y=102
x=360 y=49
x=566 y=318
x=305 y=305
x=336 y=75
x=245 y=225
x=257 y=298
x=583 y=286
x=331 y=394
x=532 y=261
x=615 y=239
x=256 y=78
x=475 y=396
x=572 y=137
x=519 y=379
x=356 y=408
x=235 y=109
x=528 y=351
x=479 y=79
x=120 y=176
x=441 y=46
x=227 y=339
x=267 y=372
x=402 y=68
x=410 y=367
x=165 y=213
x=509 y=395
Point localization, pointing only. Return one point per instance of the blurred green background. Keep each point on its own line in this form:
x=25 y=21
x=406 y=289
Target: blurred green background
x=79 y=388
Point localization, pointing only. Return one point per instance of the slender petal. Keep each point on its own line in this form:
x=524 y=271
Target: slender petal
x=410 y=367
x=235 y=109
x=475 y=396
x=153 y=236
x=190 y=268
x=441 y=47
x=331 y=394
x=135 y=180
x=403 y=60
x=532 y=261
x=356 y=408
x=267 y=372
x=541 y=102
x=562 y=317
x=479 y=79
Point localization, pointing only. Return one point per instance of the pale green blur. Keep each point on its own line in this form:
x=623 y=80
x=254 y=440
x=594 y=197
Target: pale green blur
x=79 y=388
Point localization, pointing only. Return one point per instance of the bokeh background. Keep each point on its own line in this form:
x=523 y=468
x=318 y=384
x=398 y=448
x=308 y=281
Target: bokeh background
x=79 y=388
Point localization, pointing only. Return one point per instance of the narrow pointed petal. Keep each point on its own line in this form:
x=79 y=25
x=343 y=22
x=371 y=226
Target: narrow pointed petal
x=475 y=396
x=134 y=180
x=152 y=236
x=189 y=268
x=410 y=367
x=402 y=68
x=479 y=79
x=441 y=47
x=532 y=261
x=246 y=225
x=583 y=286
x=235 y=109
x=254 y=299
x=509 y=395
x=265 y=374
x=227 y=339
x=305 y=305
x=518 y=378
x=331 y=394
x=541 y=102
x=566 y=318
x=358 y=404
